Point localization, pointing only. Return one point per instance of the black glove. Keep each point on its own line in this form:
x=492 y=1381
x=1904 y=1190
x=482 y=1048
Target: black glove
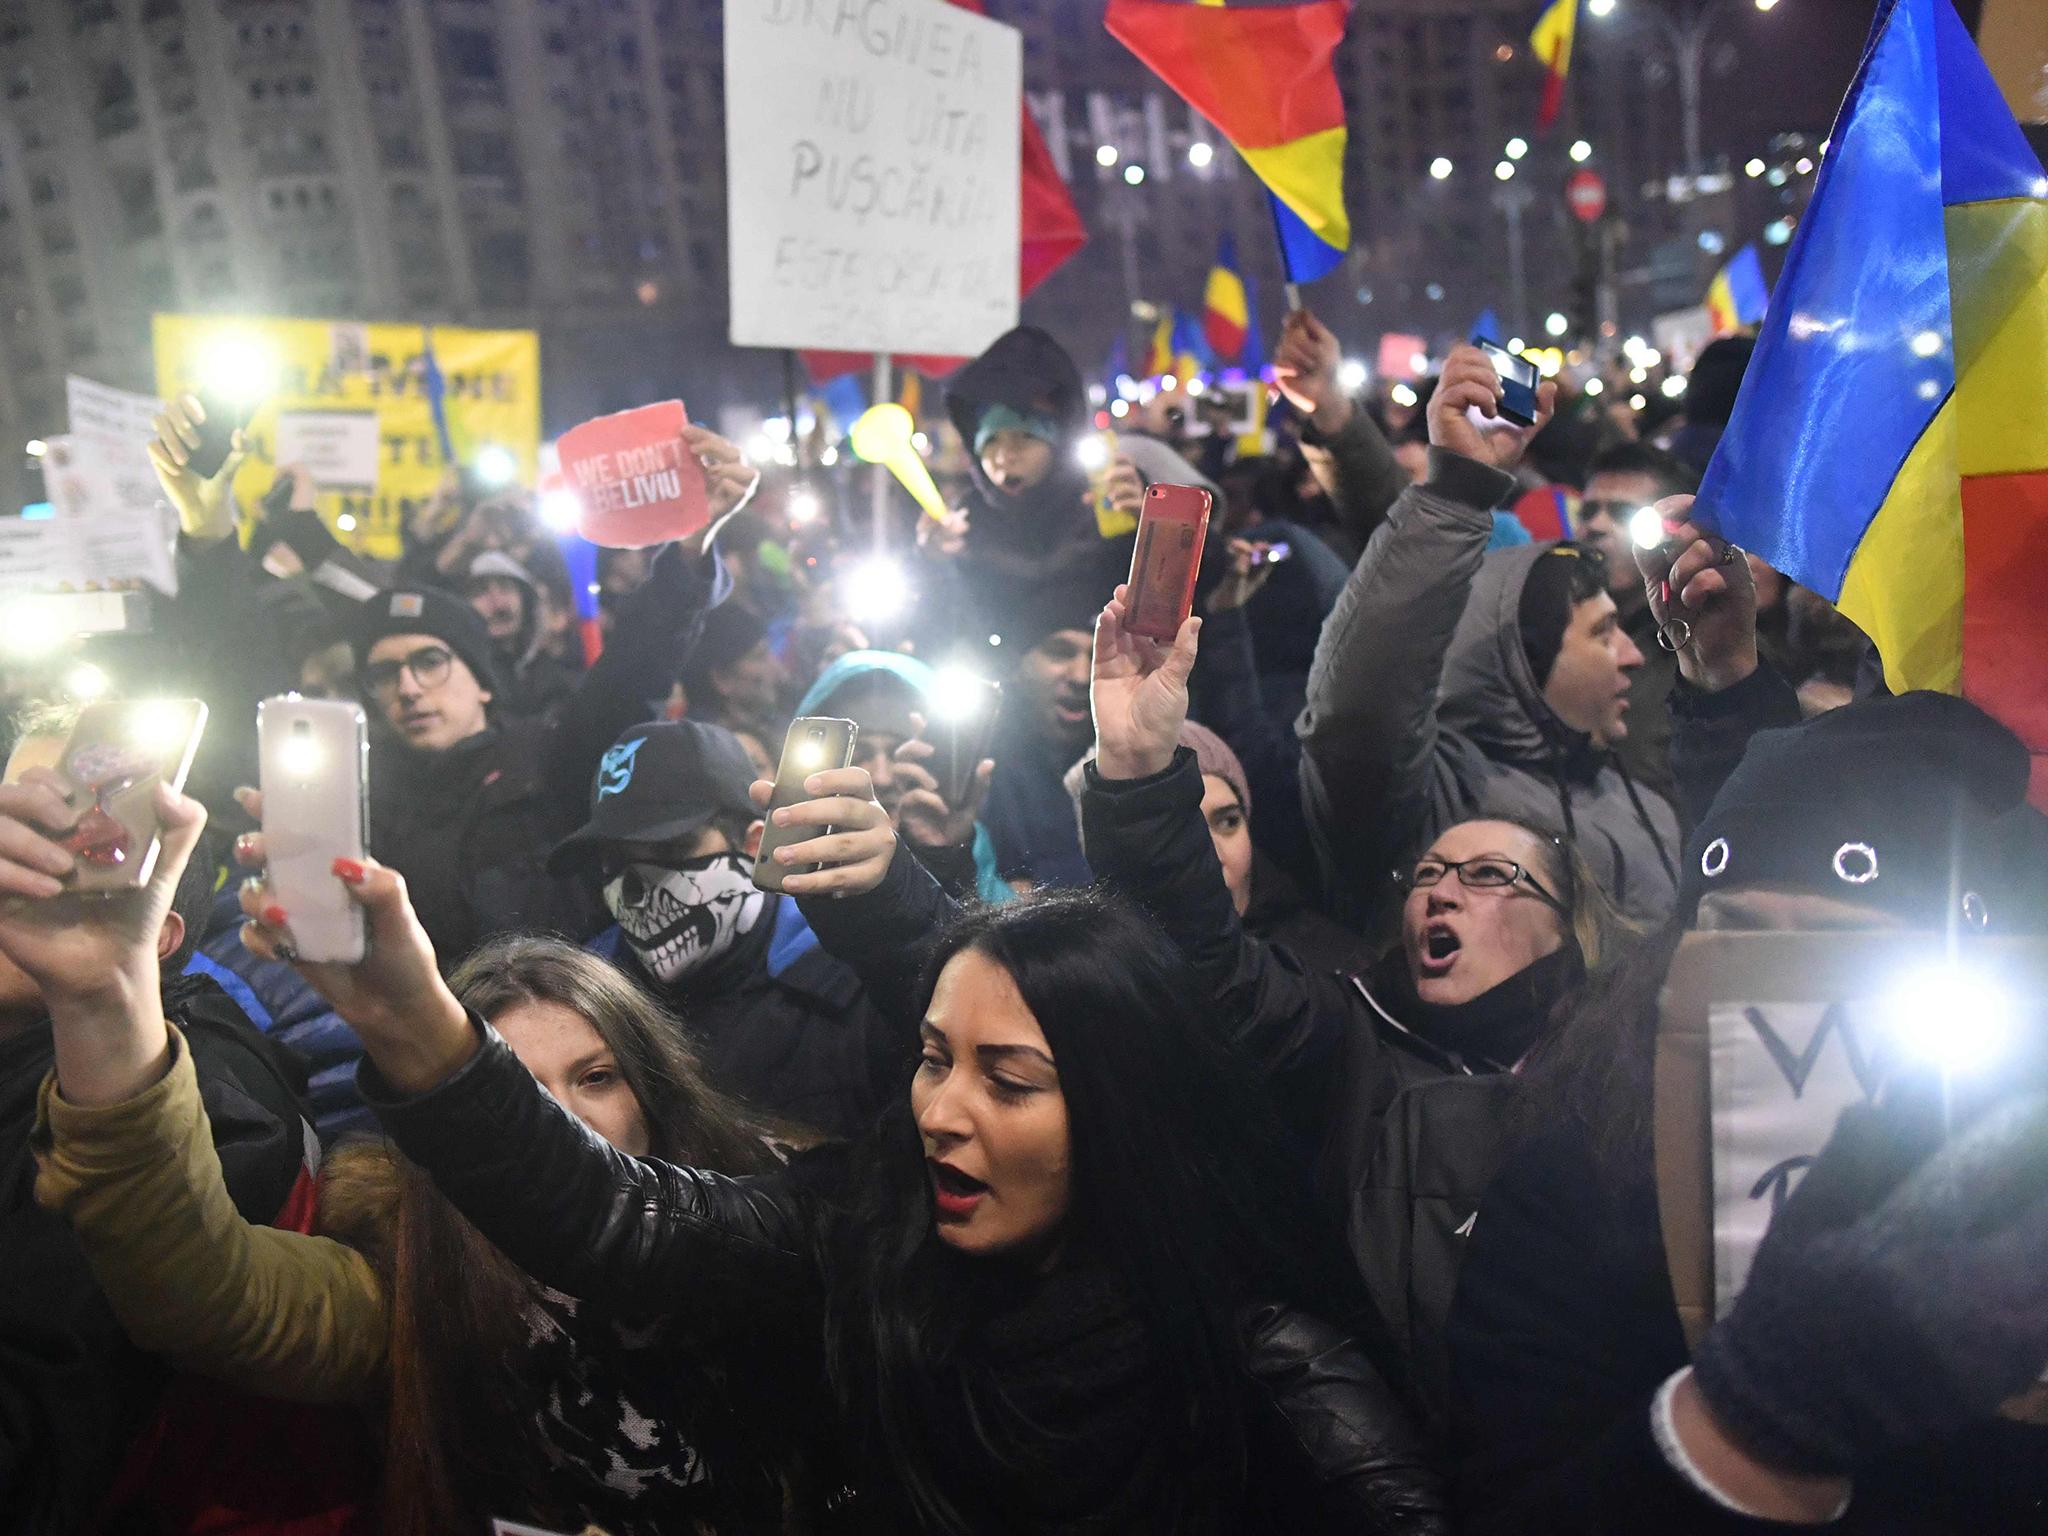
x=1896 y=1296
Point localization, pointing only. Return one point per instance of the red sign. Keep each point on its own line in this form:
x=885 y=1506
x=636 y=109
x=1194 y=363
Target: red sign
x=638 y=481
x=1587 y=194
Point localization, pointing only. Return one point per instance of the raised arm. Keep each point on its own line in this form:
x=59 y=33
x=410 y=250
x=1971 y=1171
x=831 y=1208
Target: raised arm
x=1349 y=455
x=280 y=1314
x=642 y=1238
x=1369 y=727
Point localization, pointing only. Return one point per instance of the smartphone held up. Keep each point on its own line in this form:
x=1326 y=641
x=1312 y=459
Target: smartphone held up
x=117 y=753
x=1167 y=560
x=814 y=744
x=1519 y=377
x=314 y=759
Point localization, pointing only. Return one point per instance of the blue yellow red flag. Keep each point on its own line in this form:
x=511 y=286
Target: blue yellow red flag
x=1738 y=295
x=1889 y=448
x=1264 y=75
x=1226 y=311
x=1552 y=40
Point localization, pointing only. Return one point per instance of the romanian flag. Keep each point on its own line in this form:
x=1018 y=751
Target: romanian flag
x=1890 y=445
x=1191 y=354
x=1226 y=312
x=1552 y=41
x=1738 y=296
x=1159 y=356
x=1263 y=75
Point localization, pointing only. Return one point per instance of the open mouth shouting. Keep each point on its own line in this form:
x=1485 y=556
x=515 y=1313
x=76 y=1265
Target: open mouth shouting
x=955 y=1195
x=1440 y=949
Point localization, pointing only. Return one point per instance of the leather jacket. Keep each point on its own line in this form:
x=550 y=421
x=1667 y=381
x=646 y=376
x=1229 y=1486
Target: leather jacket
x=735 y=1265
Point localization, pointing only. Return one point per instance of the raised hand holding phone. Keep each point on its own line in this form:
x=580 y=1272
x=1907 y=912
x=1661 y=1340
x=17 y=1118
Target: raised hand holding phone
x=834 y=826
x=1703 y=596
x=196 y=453
x=1166 y=560
x=948 y=785
x=1138 y=692
x=1470 y=383
x=814 y=744
x=314 y=758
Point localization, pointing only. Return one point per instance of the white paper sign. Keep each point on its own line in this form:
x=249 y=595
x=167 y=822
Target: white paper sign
x=338 y=448
x=871 y=175
x=1781 y=1074
x=98 y=539
x=111 y=429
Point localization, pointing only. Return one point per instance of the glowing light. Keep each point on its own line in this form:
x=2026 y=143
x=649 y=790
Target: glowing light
x=921 y=443
x=1168 y=383
x=1556 y=324
x=1639 y=375
x=1505 y=171
x=1952 y=1017
x=1134 y=175
x=875 y=591
x=1778 y=232
x=1929 y=390
x=958 y=693
x=1767 y=5
x=1778 y=177
x=1926 y=344
x=1418 y=362
x=1435 y=292
x=36 y=448
x=237 y=368
x=1637 y=402
x=829 y=456
x=345 y=521
x=159 y=725
x=1440 y=169
x=1200 y=154
x=85 y=681
x=560 y=510
x=1514 y=343
x=1106 y=155
x=1713 y=242
x=1352 y=374
x=300 y=756
x=495 y=465
x=1403 y=395
x=1803 y=166
x=1195 y=387
x=1674 y=386
x=1600 y=7
x=1119 y=408
x=803 y=507
x=1093 y=453
x=1645 y=528
x=32 y=626
x=1517 y=148
x=1581 y=151
x=1754 y=169
x=1594 y=386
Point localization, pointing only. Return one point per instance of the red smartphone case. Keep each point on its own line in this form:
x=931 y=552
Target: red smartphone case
x=1167 y=560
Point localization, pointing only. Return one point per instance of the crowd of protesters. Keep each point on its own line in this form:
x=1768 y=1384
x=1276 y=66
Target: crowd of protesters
x=1214 y=1094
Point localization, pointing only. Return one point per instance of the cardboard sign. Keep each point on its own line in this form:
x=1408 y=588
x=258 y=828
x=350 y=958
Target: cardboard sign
x=872 y=175
x=337 y=448
x=637 y=480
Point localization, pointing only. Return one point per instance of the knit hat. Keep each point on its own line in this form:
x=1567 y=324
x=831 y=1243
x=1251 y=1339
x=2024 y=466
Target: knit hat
x=730 y=631
x=1914 y=804
x=1213 y=756
x=1007 y=418
x=1559 y=581
x=426 y=611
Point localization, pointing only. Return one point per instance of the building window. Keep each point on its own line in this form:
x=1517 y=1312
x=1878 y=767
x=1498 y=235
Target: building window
x=470 y=54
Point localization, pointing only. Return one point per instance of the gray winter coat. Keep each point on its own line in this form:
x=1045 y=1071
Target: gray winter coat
x=1423 y=712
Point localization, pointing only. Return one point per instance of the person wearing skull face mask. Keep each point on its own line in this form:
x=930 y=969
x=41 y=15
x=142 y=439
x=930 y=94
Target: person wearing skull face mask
x=670 y=848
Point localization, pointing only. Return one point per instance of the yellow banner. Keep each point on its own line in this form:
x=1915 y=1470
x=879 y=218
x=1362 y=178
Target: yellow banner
x=320 y=373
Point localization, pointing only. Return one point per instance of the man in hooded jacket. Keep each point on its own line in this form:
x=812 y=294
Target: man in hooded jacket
x=1452 y=684
x=508 y=600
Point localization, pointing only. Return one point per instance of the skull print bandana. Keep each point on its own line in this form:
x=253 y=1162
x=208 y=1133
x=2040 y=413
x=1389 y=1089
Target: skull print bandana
x=681 y=919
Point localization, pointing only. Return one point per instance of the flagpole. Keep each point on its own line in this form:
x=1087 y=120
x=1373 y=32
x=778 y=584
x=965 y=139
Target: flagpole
x=880 y=504
x=1293 y=291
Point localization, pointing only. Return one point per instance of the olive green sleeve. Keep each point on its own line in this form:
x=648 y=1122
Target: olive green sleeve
x=280 y=1314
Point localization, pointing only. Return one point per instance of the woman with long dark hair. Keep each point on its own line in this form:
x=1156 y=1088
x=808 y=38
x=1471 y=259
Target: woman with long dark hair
x=498 y=1396
x=1068 y=1284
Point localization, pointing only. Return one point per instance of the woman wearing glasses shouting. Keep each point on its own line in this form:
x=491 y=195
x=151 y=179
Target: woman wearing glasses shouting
x=1401 y=1076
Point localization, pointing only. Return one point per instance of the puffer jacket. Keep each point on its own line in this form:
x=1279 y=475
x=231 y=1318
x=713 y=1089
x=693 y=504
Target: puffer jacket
x=652 y=1240
x=1423 y=712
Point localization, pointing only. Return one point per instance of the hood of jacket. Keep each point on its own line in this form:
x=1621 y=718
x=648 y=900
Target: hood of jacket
x=1026 y=370
x=496 y=563
x=865 y=666
x=1489 y=693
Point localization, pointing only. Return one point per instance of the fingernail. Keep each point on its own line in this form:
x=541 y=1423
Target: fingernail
x=782 y=856
x=274 y=915
x=811 y=784
x=245 y=845
x=782 y=818
x=350 y=871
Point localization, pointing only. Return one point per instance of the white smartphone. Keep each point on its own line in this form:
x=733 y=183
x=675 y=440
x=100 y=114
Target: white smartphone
x=314 y=756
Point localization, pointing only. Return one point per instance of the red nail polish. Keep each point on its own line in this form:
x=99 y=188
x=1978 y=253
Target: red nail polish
x=274 y=916
x=349 y=871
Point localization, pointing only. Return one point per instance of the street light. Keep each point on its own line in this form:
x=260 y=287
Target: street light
x=1440 y=169
x=1754 y=169
x=1134 y=175
x=1200 y=154
x=1106 y=155
x=1505 y=171
x=1517 y=148
x=1556 y=324
x=1601 y=7
x=1581 y=152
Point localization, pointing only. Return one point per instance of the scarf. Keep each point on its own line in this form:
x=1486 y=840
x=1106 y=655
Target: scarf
x=1495 y=1030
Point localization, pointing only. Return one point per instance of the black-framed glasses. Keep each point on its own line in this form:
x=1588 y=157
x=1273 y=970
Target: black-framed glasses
x=428 y=665
x=1620 y=511
x=1484 y=873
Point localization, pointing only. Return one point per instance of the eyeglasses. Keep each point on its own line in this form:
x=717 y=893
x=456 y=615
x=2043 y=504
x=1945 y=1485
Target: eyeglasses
x=1485 y=873
x=428 y=665
x=1619 y=511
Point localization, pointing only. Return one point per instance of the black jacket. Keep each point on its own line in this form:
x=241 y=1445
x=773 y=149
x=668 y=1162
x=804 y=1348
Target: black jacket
x=73 y=1390
x=470 y=827
x=712 y=1254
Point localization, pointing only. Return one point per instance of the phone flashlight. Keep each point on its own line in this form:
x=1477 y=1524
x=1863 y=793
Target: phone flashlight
x=495 y=465
x=237 y=369
x=300 y=756
x=158 y=725
x=561 y=510
x=875 y=591
x=957 y=694
x=1646 y=528
x=1273 y=554
x=1093 y=453
x=1951 y=1016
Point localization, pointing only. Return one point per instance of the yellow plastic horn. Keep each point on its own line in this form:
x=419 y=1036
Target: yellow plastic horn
x=883 y=436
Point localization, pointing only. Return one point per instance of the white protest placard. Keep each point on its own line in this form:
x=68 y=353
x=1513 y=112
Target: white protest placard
x=98 y=538
x=110 y=432
x=872 y=175
x=337 y=448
